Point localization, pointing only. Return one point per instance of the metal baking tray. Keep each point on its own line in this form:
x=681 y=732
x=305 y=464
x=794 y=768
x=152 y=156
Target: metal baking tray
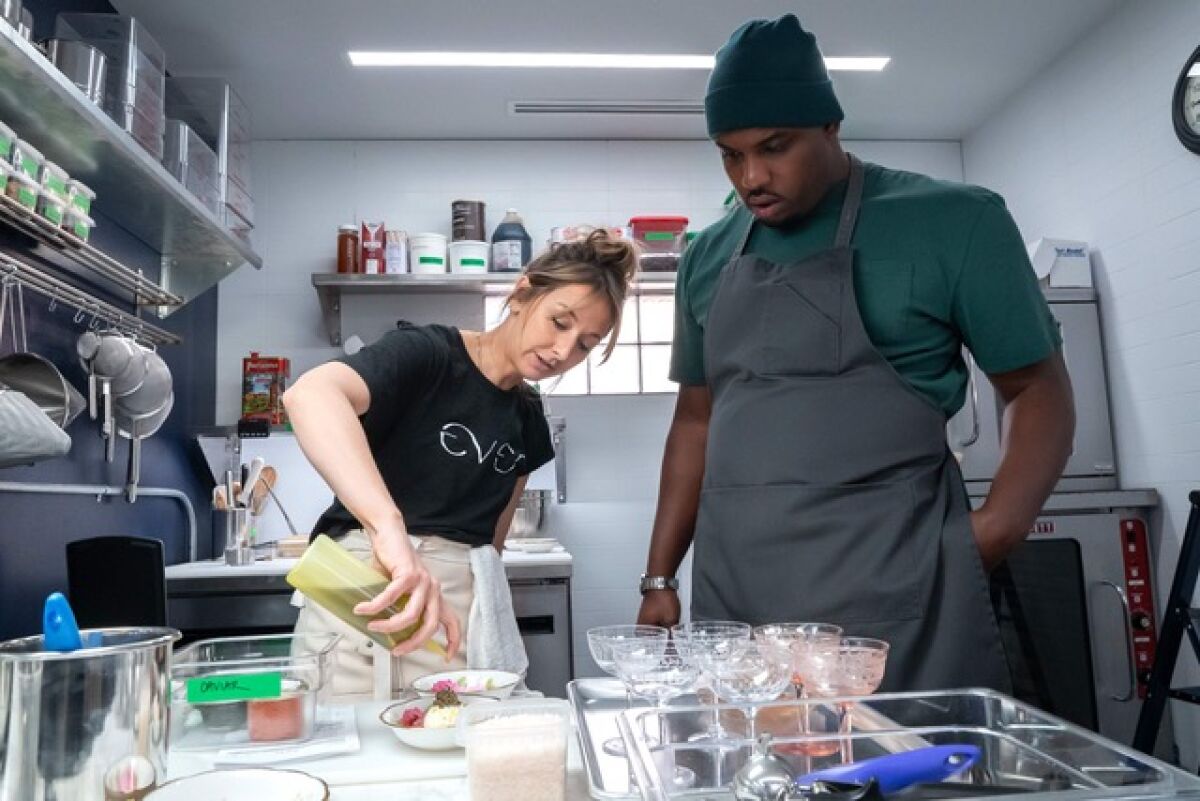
x=1025 y=751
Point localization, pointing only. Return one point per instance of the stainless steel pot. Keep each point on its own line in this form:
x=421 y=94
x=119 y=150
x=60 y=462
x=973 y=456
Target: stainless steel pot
x=88 y=725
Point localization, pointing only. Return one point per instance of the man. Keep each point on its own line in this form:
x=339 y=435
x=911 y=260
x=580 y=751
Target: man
x=818 y=345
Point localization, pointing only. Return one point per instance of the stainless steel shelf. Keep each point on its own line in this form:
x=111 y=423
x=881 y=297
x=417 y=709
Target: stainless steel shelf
x=133 y=190
x=331 y=287
x=89 y=310
x=143 y=291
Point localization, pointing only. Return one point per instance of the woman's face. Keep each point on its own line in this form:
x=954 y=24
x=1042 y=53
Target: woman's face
x=555 y=331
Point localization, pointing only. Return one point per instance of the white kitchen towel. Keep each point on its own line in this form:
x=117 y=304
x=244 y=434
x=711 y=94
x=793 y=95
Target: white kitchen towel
x=493 y=639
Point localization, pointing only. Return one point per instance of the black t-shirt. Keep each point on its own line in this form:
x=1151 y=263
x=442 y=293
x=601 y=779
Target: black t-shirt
x=448 y=442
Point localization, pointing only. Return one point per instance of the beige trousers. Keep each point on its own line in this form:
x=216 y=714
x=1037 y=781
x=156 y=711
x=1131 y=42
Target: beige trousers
x=354 y=675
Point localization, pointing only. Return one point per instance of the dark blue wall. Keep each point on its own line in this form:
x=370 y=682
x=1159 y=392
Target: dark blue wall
x=35 y=528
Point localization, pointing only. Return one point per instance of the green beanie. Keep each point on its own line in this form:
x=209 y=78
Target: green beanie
x=770 y=74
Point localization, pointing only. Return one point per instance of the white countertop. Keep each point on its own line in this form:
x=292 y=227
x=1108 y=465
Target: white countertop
x=385 y=769
x=216 y=568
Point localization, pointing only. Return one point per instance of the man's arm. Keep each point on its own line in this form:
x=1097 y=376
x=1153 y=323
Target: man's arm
x=678 y=500
x=1036 y=440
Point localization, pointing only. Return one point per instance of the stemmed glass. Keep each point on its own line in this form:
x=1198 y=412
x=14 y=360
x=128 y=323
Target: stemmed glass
x=710 y=641
x=855 y=666
x=659 y=675
x=754 y=673
x=799 y=638
x=602 y=640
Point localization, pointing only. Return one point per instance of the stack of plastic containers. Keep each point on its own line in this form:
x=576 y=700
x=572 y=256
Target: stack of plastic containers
x=194 y=163
x=135 y=88
x=216 y=113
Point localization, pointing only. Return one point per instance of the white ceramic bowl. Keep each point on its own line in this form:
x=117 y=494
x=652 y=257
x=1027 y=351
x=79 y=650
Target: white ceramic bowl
x=243 y=784
x=497 y=684
x=420 y=737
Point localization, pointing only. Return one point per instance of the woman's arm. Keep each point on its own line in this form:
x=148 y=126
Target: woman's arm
x=505 y=521
x=324 y=406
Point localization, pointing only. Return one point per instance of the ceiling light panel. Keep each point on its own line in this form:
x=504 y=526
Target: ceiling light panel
x=395 y=58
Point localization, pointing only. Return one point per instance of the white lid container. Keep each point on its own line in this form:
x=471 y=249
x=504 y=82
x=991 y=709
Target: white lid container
x=78 y=223
x=7 y=138
x=517 y=750
x=22 y=188
x=51 y=206
x=82 y=195
x=469 y=256
x=55 y=179
x=427 y=254
x=27 y=158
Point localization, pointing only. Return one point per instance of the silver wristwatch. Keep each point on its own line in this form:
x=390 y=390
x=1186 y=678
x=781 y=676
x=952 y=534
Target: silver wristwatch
x=649 y=583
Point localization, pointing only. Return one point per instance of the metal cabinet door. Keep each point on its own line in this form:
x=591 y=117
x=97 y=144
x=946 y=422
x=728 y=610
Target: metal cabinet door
x=1084 y=354
x=543 y=610
x=974 y=433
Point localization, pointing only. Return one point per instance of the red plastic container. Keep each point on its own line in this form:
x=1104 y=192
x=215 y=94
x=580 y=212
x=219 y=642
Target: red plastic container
x=662 y=239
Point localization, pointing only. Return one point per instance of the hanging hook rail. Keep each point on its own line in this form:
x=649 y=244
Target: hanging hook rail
x=84 y=303
x=145 y=292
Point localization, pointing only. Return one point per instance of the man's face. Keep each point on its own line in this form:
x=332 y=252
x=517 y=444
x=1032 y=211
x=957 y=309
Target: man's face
x=781 y=173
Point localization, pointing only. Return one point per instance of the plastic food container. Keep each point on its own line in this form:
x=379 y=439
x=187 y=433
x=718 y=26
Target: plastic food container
x=662 y=239
x=81 y=196
x=51 y=206
x=78 y=223
x=428 y=253
x=21 y=188
x=54 y=180
x=238 y=691
x=517 y=750
x=27 y=158
x=469 y=256
x=7 y=139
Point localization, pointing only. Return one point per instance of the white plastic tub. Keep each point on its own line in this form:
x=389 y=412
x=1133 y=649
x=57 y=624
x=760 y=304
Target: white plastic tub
x=54 y=180
x=78 y=223
x=51 y=206
x=469 y=256
x=427 y=254
x=81 y=196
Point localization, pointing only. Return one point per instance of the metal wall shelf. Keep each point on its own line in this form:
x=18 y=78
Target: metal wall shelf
x=142 y=290
x=89 y=310
x=331 y=287
x=133 y=190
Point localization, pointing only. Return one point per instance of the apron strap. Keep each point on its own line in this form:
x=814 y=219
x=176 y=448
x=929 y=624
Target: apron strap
x=845 y=230
x=745 y=240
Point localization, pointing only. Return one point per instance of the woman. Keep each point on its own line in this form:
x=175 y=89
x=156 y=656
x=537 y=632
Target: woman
x=427 y=438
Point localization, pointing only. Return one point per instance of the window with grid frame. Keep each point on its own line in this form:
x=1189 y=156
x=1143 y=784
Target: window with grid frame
x=639 y=361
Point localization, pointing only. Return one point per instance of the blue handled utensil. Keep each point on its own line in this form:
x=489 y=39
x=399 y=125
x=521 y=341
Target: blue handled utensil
x=895 y=772
x=61 y=632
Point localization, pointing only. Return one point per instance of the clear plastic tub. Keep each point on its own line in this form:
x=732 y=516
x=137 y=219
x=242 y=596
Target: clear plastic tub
x=51 y=207
x=660 y=234
x=21 y=188
x=82 y=196
x=7 y=138
x=54 y=180
x=517 y=750
x=78 y=223
x=27 y=158
x=239 y=691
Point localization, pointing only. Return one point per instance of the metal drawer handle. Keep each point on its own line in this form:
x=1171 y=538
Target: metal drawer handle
x=1128 y=642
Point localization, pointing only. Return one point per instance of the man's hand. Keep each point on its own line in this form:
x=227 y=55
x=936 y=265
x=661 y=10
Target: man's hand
x=993 y=542
x=659 y=608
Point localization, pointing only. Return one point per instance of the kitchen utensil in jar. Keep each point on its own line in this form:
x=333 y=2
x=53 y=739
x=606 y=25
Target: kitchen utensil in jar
x=256 y=467
x=87 y=723
x=59 y=628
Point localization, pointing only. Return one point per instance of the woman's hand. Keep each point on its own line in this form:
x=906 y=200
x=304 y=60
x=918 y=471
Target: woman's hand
x=396 y=556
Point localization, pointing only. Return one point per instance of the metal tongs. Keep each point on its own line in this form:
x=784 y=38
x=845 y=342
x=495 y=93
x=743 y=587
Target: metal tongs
x=767 y=777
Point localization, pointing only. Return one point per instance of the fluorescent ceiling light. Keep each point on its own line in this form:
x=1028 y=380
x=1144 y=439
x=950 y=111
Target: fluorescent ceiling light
x=395 y=58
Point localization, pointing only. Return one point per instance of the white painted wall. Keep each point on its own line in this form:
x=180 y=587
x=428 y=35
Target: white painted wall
x=1088 y=152
x=304 y=190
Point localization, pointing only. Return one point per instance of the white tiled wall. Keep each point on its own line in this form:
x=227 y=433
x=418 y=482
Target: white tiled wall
x=1088 y=152
x=304 y=190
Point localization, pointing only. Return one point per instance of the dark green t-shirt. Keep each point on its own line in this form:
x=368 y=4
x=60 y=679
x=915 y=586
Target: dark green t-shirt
x=937 y=265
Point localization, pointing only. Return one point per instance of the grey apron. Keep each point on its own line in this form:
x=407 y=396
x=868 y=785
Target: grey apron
x=829 y=491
